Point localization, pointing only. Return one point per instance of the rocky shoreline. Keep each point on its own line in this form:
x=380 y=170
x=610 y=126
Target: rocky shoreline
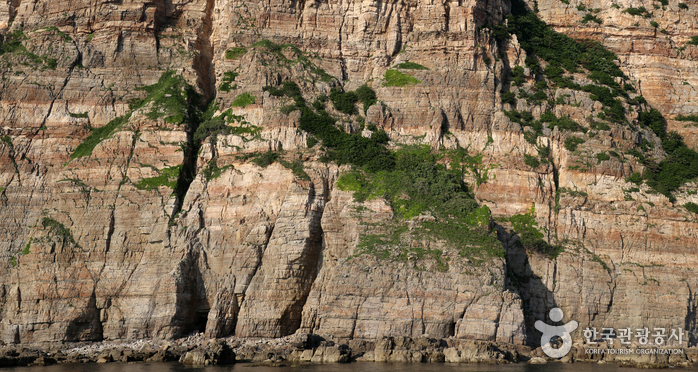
x=197 y=350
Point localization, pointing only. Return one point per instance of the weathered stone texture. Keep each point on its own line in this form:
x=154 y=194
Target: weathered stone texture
x=260 y=252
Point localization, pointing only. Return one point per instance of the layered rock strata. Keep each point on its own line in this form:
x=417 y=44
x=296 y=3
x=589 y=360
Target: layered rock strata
x=105 y=246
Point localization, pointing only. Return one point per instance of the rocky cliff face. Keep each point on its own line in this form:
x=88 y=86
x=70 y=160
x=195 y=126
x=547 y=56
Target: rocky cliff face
x=121 y=220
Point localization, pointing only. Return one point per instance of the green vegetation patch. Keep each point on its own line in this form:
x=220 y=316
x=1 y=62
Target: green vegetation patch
x=80 y=115
x=97 y=136
x=367 y=96
x=563 y=122
x=243 y=100
x=219 y=125
x=166 y=177
x=212 y=171
x=525 y=119
x=530 y=237
x=599 y=125
x=681 y=164
x=13 y=44
x=410 y=179
x=635 y=178
x=59 y=230
x=171 y=98
x=296 y=168
x=410 y=66
x=60 y=33
x=517 y=75
x=418 y=185
x=691 y=207
x=235 y=53
x=346 y=101
x=277 y=50
x=531 y=161
x=572 y=142
x=27 y=247
x=227 y=82
x=602 y=156
x=641 y=11
x=343 y=148
x=575 y=193
x=509 y=97
x=566 y=55
x=591 y=18
x=693 y=118
x=265 y=159
x=395 y=78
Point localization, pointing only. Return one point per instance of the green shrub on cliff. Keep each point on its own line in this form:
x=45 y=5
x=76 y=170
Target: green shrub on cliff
x=367 y=96
x=693 y=118
x=13 y=42
x=531 y=161
x=410 y=66
x=243 y=100
x=265 y=159
x=563 y=53
x=344 y=101
x=227 y=81
x=681 y=164
x=508 y=97
x=235 y=53
x=602 y=156
x=171 y=97
x=419 y=185
x=530 y=237
x=395 y=78
x=166 y=177
x=296 y=168
x=59 y=230
x=410 y=179
x=591 y=18
x=691 y=207
x=343 y=148
x=572 y=142
x=97 y=136
x=212 y=171
x=641 y=11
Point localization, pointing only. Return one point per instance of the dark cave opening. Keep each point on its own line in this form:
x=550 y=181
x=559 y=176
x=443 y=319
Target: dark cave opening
x=200 y=319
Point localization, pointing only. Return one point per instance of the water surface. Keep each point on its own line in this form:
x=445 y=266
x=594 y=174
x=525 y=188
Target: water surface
x=352 y=367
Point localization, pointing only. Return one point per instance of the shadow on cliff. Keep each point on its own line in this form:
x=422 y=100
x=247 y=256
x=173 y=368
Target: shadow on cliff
x=536 y=298
x=87 y=326
x=191 y=304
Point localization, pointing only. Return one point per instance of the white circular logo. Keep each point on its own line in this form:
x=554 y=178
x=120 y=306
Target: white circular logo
x=562 y=332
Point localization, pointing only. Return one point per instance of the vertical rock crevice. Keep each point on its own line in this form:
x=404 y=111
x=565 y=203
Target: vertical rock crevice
x=205 y=82
x=276 y=295
x=203 y=63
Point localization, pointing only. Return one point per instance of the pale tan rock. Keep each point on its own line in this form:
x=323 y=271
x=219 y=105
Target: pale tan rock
x=257 y=252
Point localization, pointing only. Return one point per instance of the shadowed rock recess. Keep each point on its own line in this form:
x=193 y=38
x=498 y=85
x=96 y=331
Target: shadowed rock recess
x=354 y=170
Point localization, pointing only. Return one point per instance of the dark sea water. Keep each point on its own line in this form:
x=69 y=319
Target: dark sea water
x=353 y=367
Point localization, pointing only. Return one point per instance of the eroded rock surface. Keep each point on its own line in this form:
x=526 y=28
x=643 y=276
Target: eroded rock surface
x=119 y=245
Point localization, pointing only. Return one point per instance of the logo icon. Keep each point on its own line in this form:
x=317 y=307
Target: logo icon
x=561 y=334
